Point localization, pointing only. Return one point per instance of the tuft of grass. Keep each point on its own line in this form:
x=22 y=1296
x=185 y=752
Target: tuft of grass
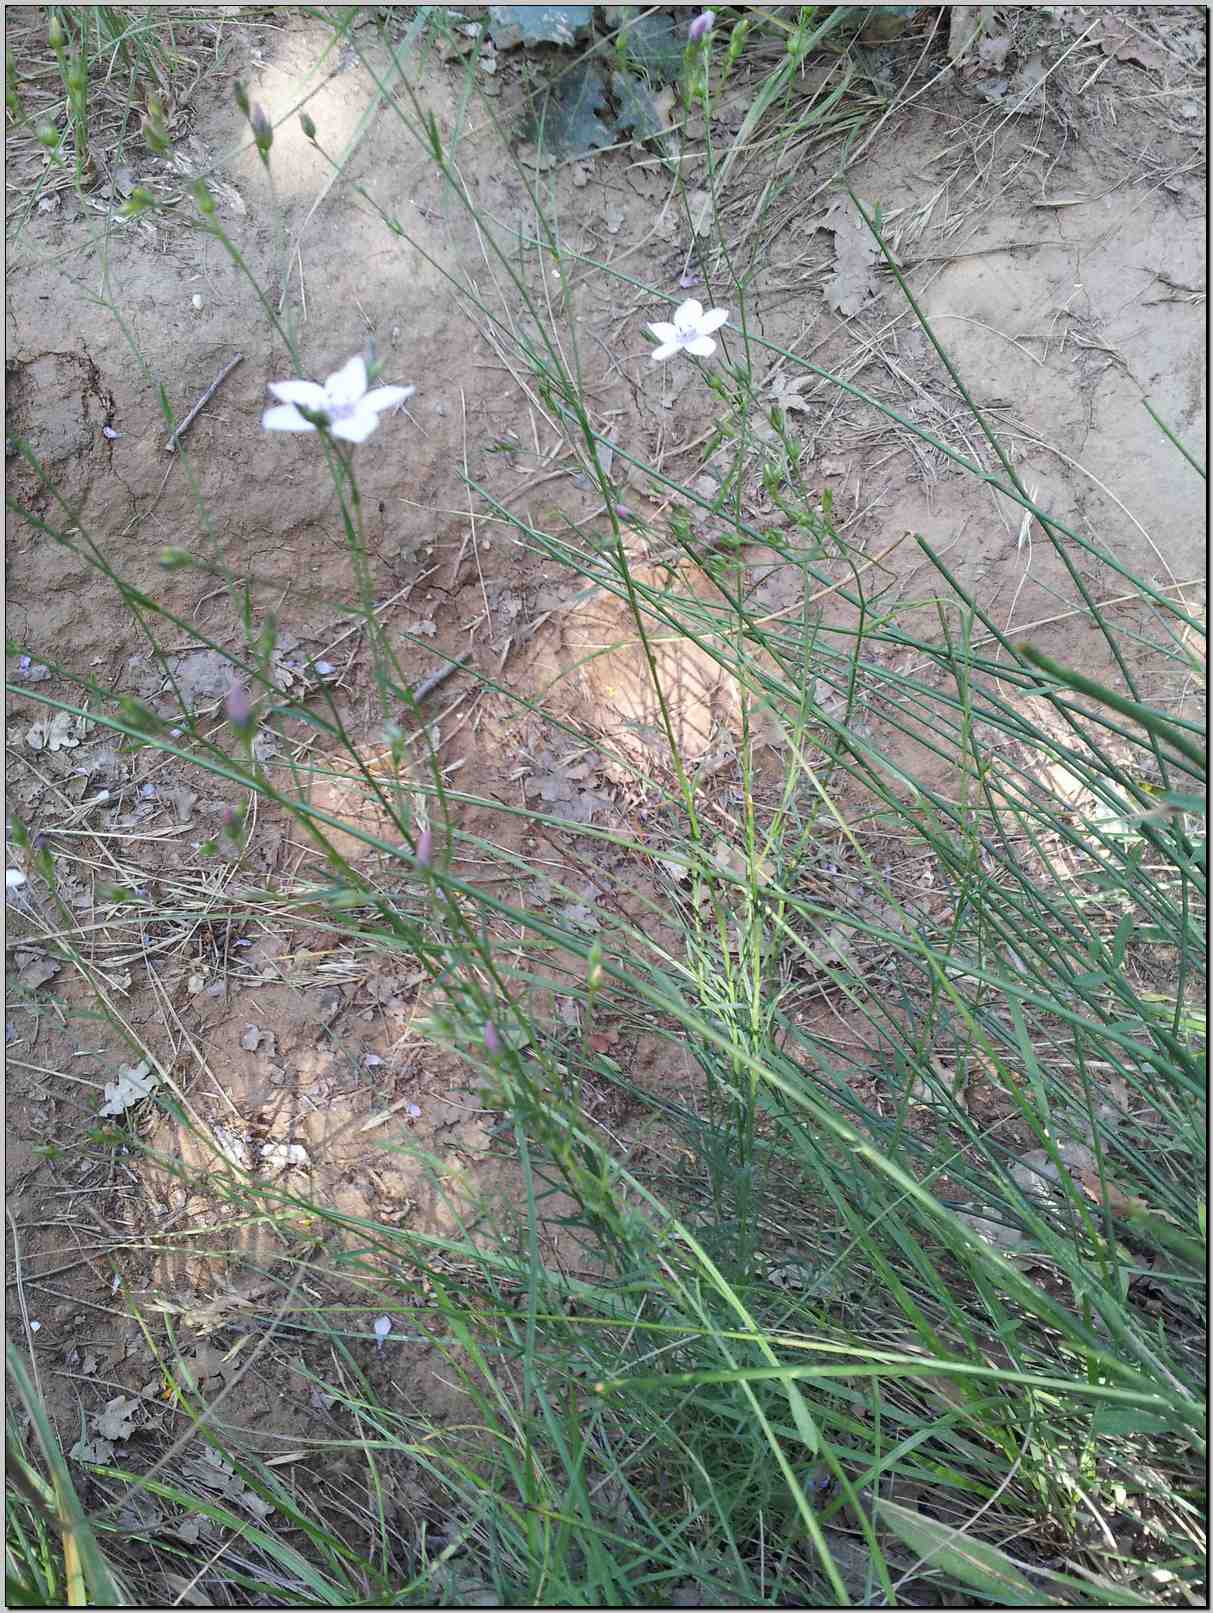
x=97 y=97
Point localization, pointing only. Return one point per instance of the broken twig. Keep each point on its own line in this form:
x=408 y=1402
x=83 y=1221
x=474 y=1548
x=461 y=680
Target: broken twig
x=202 y=402
x=437 y=679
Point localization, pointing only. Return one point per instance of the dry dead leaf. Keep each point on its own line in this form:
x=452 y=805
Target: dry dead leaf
x=95 y=1451
x=784 y=391
x=134 y=1083
x=57 y=731
x=34 y=969
x=283 y=1156
x=855 y=257
x=1128 y=45
x=117 y=1421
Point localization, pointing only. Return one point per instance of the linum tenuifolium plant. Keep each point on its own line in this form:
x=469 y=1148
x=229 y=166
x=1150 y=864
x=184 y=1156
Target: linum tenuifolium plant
x=348 y=408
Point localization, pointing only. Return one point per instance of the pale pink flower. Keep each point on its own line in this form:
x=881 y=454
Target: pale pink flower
x=691 y=331
x=343 y=404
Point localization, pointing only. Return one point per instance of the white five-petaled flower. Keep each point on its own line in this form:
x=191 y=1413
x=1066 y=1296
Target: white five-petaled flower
x=691 y=331
x=351 y=411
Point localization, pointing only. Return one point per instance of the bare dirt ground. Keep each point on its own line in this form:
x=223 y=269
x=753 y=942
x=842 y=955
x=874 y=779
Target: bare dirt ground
x=1048 y=206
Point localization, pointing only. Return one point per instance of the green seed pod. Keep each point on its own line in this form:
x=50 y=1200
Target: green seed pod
x=242 y=100
x=48 y=136
x=54 y=32
x=175 y=559
x=308 y=127
x=203 y=198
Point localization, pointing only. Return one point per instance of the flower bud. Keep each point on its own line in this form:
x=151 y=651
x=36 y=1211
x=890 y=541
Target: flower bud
x=308 y=127
x=54 y=32
x=263 y=131
x=205 y=201
x=238 y=709
x=48 y=136
x=138 y=716
x=139 y=200
x=493 y=1045
x=700 y=26
x=175 y=559
x=425 y=848
x=241 y=94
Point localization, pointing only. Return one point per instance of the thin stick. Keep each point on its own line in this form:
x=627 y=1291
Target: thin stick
x=202 y=402
x=437 y=679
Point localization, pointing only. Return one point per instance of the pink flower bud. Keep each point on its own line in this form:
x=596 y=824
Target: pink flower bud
x=239 y=709
x=700 y=26
x=425 y=848
x=492 y=1041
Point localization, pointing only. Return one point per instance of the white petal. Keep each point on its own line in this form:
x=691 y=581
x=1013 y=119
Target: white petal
x=666 y=350
x=386 y=397
x=664 y=331
x=309 y=393
x=356 y=427
x=347 y=384
x=690 y=313
x=712 y=320
x=702 y=346
x=285 y=417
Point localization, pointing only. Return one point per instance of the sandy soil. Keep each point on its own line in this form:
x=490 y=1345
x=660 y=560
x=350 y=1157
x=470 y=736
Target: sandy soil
x=1053 y=236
